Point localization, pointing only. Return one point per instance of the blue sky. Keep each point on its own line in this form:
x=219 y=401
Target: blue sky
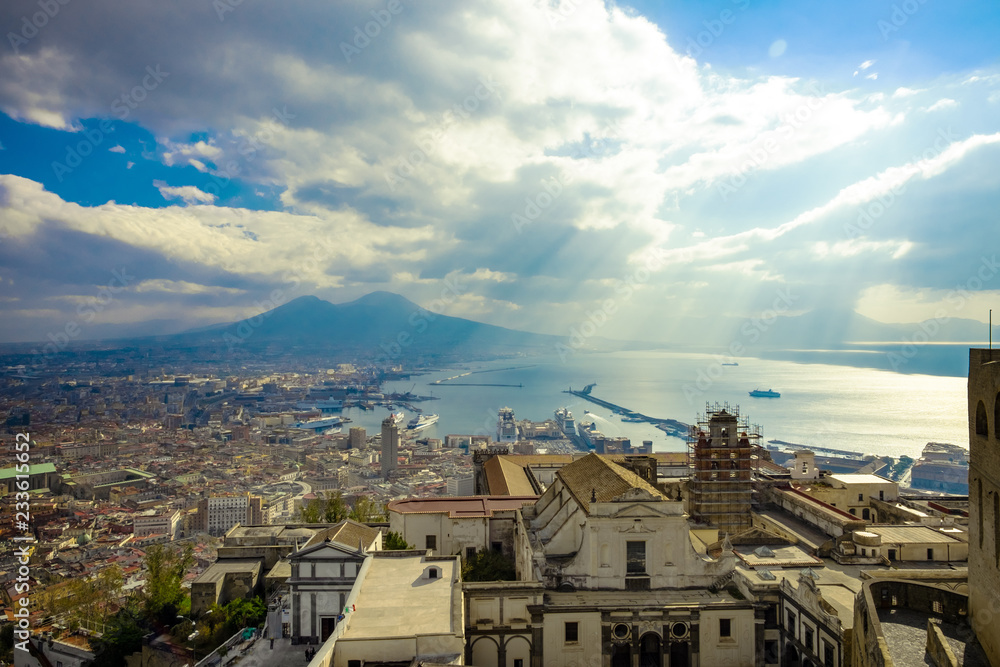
x=551 y=159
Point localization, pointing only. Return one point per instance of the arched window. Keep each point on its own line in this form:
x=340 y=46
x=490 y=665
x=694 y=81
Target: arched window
x=996 y=526
x=996 y=417
x=979 y=509
x=982 y=426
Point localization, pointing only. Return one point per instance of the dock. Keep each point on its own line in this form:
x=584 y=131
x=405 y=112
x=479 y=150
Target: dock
x=672 y=427
x=473 y=384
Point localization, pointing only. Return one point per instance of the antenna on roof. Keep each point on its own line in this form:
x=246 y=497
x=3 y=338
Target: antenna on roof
x=991 y=328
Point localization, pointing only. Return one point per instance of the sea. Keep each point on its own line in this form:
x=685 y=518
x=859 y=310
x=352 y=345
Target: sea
x=861 y=410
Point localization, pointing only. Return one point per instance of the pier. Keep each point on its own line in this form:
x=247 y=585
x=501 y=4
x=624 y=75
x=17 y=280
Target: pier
x=442 y=383
x=669 y=426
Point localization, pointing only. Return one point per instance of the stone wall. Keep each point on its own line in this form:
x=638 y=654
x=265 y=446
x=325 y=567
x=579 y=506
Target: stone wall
x=984 y=498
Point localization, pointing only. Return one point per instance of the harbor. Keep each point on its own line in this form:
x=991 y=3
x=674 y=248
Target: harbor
x=672 y=427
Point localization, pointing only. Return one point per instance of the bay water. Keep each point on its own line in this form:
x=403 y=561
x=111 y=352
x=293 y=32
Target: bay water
x=863 y=410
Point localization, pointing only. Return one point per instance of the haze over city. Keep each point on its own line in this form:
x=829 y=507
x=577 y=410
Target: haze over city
x=172 y=165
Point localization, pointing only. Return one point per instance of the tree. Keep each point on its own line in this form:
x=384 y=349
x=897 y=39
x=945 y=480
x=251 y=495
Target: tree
x=366 y=510
x=329 y=509
x=122 y=636
x=489 y=566
x=394 y=541
x=165 y=570
x=336 y=509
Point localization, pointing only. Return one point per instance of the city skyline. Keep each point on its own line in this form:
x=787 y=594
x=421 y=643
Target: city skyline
x=516 y=164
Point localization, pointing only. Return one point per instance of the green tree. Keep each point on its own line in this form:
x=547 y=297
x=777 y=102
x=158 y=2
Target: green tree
x=331 y=508
x=122 y=636
x=394 y=541
x=7 y=643
x=336 y=509
x=165 y=570
x=366 y=510
x=489 y=566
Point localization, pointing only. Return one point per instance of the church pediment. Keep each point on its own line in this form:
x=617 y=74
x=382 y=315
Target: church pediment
x=636 y=494
x=326 y=551
x=638 y=511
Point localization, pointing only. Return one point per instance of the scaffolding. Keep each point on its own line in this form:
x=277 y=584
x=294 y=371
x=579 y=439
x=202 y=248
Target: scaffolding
x=723 y=456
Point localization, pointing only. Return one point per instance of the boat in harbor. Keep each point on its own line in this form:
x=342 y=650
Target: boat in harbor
x=732 y=363
x=323 y=405
x=398 y=417
x=319 y=425
x=760 y=393
x=421 y=422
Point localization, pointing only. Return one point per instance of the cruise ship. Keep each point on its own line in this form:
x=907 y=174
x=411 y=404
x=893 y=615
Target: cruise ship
x=758 y=393
x=320 y=424
x=566 y=421
x=421 y=422
x=321 y=404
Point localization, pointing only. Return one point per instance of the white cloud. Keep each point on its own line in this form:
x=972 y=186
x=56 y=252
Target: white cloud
x=117 y=149
x=942 y=104
x=189 y=194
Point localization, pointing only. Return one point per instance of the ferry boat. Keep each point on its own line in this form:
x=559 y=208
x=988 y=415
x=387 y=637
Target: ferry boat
x=759 y=393
x=320 y=424
x=398 y=417
x=322 y=404
x=421 y=422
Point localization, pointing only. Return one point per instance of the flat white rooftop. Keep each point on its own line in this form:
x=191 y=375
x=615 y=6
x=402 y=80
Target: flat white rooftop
x=397 y=599
x=860 y=478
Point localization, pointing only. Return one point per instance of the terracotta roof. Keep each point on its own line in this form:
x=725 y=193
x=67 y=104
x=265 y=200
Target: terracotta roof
x=507 y=478
x=597 y=476
x=348 y=533
x=470 y=506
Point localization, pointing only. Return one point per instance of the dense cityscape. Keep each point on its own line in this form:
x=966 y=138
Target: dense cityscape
x=502 y=333
x=249 y=487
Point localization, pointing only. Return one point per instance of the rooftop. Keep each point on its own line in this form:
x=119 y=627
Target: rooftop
x=463 y=506
x=348 y=533
x=221 y=568
x=860 y=478
x=33 y=469
x=595 y=477
x=396 y=599
x=910 y=535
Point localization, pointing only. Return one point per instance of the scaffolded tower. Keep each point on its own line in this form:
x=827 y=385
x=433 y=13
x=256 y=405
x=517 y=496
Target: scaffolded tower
x=723 y=454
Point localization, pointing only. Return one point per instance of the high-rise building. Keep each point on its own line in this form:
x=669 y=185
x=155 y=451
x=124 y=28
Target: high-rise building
x=984 y=498
x=390 y=446
x=358 y=437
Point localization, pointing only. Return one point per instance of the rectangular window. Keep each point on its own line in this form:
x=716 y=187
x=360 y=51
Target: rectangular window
x=808 y=639
x=771 y=652
x=827 y=654
x=518 y=662
x=861 y=496
x=791 y=625
x=635 y=557
x=930 y=554
x=470 y=553
x=572 y=632
x=881 y=495
x=725 y=627
x=431 y=542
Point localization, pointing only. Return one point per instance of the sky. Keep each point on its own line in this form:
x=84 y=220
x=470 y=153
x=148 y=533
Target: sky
x=643 y=167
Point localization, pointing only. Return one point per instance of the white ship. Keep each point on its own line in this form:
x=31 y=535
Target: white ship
x=320 y=424
x=398 y=417
x=321 y=404
x=421 y=422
